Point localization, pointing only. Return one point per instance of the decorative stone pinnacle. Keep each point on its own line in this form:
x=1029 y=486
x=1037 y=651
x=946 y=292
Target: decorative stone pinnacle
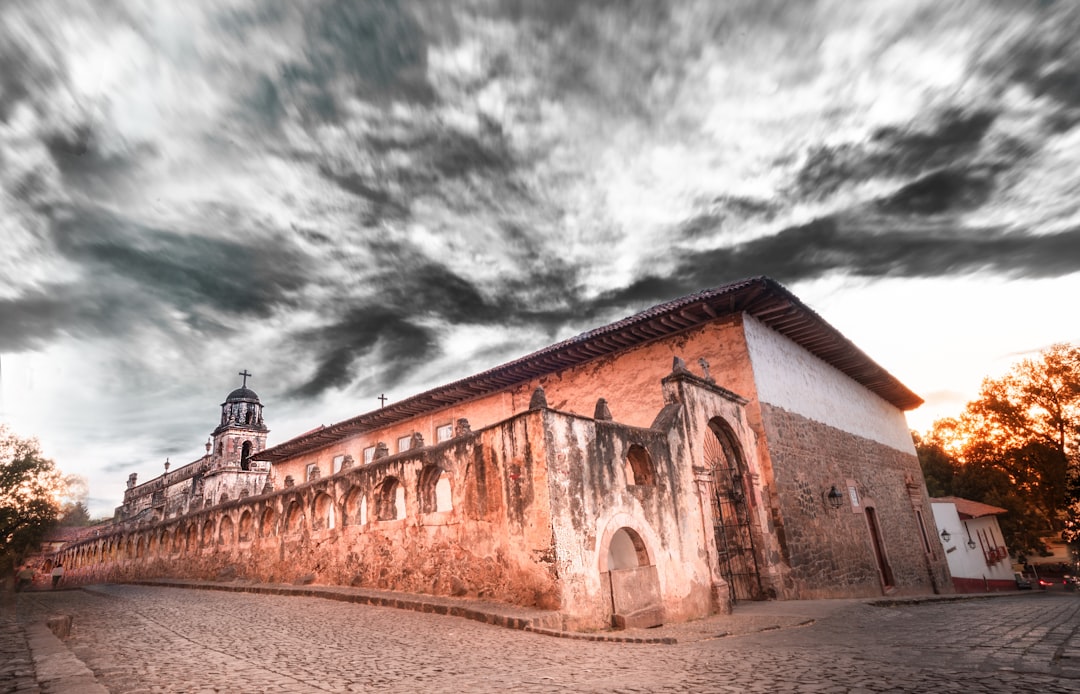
x=538 y=400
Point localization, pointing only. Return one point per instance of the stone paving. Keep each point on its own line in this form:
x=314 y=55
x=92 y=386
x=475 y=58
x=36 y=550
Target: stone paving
x=141 y=639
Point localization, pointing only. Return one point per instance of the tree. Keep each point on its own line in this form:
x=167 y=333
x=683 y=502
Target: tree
x=74 y=514
x=1015 y=446
x=30 y=487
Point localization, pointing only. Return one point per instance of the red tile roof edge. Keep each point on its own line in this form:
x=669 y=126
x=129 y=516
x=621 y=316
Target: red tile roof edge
x=969 y=508
x=762 y=297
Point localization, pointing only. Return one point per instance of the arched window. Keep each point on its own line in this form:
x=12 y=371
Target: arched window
x=245 y=456
x=390 y=500
x=208 y=533
x=639 y=466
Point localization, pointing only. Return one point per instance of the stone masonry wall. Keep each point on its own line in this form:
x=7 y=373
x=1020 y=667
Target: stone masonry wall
x=829 y=551
x=495 y=541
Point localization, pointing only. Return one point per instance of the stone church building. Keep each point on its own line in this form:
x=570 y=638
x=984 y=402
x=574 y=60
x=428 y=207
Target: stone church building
x=725 y=446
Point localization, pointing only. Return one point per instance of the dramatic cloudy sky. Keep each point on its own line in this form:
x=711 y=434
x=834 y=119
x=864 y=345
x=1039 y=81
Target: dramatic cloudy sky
x=350 y=197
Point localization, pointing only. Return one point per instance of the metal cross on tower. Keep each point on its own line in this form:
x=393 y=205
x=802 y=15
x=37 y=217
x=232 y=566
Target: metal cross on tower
x=382 y=400
x=245 y=374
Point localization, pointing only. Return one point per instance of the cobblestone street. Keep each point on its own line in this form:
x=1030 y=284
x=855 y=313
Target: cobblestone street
x=149 y=639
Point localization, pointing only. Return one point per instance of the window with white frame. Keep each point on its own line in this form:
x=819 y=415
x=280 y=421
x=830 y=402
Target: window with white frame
x=444 y=432
x=369 y=455
x=403 y=443
x=338 y=460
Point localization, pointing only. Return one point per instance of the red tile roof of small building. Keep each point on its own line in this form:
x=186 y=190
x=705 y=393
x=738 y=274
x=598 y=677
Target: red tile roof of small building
x=967 y=508
x=762 y=297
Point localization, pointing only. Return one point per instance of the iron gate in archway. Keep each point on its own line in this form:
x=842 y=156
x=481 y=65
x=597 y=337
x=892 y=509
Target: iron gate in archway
x=731 y=517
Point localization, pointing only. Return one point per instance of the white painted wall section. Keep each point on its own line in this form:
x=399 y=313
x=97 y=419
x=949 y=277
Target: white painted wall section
x=789 y=377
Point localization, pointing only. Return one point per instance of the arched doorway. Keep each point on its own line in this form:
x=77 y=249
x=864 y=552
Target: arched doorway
x=631 y=579
x=732 y=527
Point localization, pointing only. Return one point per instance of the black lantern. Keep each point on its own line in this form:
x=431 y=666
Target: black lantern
x=836 y=499
x=971 y=543
x=945 y=536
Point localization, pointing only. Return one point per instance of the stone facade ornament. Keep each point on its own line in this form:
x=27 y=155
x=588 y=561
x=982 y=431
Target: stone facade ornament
x=538 y=400
x=381 y=451
x=602 y=411
x=462 y=428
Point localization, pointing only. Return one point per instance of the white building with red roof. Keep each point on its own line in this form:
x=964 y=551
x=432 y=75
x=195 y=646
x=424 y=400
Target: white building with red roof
x=973 y=543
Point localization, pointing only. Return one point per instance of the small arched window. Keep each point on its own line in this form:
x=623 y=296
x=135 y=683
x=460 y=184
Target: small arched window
x=245 y=456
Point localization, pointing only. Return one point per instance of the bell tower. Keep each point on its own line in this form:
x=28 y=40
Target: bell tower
x=242 y=432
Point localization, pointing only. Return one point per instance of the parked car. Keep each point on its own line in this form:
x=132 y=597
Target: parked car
x=1022 y=582
x=1070 y=581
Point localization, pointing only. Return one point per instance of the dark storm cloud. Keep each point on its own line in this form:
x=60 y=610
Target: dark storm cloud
x=84 y=165
x=952 y=137
x=401 y=344
x=368 y=49
x=38 y=317
x=847 y=246
x=1044 y=58
x=187 y=271
x=23 y=73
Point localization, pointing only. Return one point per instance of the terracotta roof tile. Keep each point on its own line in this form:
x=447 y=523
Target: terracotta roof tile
x=968 y=508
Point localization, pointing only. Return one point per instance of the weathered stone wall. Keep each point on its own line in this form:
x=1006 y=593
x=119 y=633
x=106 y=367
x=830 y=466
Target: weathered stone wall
x=829 y=552
x=495 y=542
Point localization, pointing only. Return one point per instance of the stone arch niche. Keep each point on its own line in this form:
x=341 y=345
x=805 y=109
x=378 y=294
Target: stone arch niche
x=323 y=514
x=433 y=490
x=268 y=522
x=225 y=531
x=208 y=533
x=245 y=528
x=245 y=456
x=355 y=507
x=729 y=497
x=390 y=500
x=630 y=580
x=294 y=517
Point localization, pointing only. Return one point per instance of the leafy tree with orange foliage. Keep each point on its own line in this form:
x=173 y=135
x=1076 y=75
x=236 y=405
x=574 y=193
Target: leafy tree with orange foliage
x=1016 y=446
x=30 y=488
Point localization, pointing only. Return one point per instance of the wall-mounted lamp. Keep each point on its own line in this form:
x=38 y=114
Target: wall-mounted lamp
x=166 y=465
x=971 y=543
x=836 y=499
x=945 y=536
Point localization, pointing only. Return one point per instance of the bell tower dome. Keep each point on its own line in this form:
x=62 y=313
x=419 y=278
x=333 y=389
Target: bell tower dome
x=242 y=432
